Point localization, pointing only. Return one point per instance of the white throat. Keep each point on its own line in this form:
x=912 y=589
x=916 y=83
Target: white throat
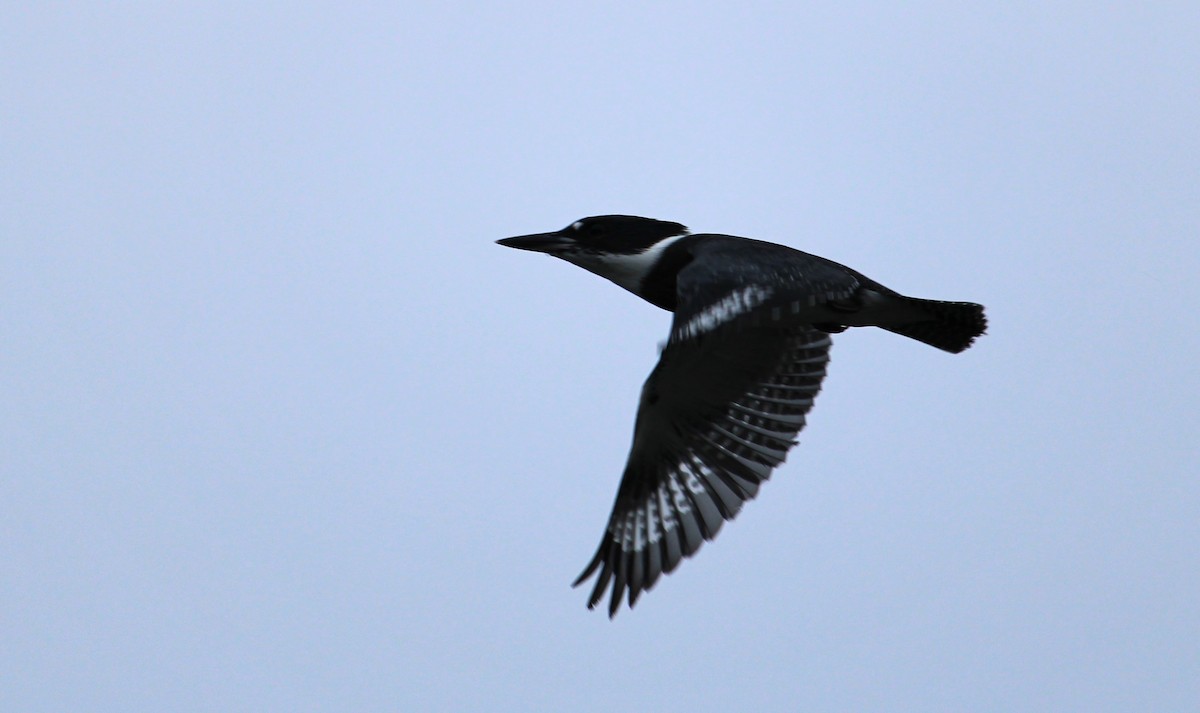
x=628 y=271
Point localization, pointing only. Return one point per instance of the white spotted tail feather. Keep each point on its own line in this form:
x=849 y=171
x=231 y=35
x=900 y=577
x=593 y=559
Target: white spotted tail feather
x=717 y=415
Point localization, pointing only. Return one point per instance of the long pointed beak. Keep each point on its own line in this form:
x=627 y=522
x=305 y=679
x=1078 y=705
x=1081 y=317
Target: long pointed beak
x=538 y=242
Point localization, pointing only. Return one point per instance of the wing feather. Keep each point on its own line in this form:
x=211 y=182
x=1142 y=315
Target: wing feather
x=717 y=415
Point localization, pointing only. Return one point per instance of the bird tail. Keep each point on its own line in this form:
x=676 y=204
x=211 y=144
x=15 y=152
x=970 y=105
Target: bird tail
x=951 y=326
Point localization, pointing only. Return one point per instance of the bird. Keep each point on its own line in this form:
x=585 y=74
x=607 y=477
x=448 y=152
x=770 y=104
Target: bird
x=735 y=380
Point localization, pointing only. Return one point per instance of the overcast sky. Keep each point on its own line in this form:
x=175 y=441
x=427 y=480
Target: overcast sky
x=284 y=430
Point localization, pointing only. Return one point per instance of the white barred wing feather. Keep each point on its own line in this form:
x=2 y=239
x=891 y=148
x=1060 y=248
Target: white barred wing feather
x=714 y=421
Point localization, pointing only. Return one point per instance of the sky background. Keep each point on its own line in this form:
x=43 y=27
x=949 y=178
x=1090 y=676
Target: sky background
x=284 y=430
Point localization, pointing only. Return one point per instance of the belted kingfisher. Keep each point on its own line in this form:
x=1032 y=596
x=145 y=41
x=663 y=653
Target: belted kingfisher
x=744 y=361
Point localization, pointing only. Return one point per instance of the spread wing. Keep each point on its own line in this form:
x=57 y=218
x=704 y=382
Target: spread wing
x=717 y=414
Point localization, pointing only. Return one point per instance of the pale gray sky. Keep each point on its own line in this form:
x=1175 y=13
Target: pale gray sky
x=285 y=431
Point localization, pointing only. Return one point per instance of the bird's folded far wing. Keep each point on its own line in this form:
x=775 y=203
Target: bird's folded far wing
x=717 y=414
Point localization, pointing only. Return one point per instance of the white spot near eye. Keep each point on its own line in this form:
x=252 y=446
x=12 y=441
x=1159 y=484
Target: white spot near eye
x=577 y=225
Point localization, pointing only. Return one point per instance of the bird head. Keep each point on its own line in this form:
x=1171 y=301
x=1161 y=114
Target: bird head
x=621 y=248
x=601 y=235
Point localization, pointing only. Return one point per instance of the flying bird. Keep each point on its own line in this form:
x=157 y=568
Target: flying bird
x=745 y=358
